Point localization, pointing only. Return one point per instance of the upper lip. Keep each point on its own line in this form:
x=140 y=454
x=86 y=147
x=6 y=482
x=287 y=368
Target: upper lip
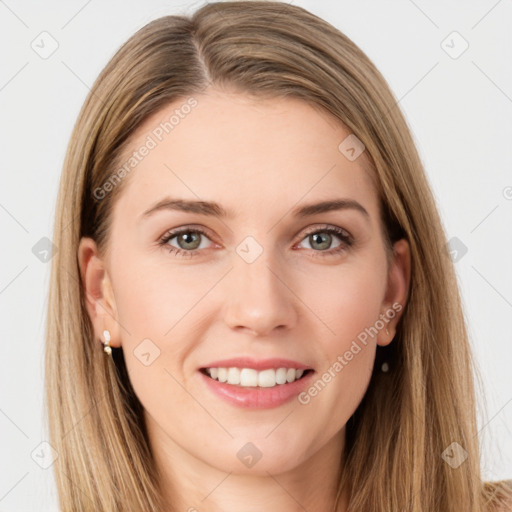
x=257 y=364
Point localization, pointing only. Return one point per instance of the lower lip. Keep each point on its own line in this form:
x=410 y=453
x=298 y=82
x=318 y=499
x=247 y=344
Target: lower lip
x=257 y=398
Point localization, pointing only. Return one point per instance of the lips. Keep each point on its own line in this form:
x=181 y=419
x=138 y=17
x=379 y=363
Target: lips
x=246 y=382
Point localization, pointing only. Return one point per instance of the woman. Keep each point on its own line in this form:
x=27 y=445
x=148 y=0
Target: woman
x=203 y=352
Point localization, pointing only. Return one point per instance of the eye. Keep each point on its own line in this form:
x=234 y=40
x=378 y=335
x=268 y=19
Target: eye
x=321 y=239
x=188 y=240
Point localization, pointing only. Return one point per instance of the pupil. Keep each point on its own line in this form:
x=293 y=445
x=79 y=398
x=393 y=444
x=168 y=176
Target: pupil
x=188 y=238
x=326 y=237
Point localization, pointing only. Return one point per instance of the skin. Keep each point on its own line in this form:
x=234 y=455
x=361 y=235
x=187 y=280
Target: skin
x=260 y=159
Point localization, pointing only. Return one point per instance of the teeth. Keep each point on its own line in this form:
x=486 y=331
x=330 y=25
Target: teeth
x=233 y=376
x=222 y=374
x=248 y=377
x=281 y=376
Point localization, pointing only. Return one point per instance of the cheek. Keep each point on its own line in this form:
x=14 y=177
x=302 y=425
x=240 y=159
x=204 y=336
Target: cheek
x=349 y=300
x=348 y=354
x=152 y=297
x=159 y=307
x=349 y=304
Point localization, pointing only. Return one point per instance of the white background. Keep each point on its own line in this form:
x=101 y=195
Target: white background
x=460 y=113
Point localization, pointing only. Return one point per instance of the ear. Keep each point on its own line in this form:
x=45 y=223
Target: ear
x=397 y=291
x=99 y=296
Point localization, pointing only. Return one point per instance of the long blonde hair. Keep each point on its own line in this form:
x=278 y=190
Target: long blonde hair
x=410 y=415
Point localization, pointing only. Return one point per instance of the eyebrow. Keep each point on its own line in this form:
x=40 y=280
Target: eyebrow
x=214 y=209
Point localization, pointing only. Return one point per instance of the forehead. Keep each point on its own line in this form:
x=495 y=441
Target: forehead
x=246 y=153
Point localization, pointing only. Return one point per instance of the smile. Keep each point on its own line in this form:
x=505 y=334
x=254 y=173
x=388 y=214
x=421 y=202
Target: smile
x=256 y=384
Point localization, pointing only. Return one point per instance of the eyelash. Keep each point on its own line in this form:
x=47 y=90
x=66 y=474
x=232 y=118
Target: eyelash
x=345 y=237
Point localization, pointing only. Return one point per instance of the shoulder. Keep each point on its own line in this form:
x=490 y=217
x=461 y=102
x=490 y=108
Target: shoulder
x=498 y=496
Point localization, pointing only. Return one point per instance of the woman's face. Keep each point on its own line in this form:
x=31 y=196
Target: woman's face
x=257 y=285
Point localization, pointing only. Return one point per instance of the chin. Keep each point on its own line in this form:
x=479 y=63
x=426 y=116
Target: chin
x=260 y=456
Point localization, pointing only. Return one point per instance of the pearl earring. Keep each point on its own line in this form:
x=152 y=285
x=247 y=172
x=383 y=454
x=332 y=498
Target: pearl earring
x=107 y=348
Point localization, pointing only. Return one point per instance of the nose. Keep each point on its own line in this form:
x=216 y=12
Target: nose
x=259 y=298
